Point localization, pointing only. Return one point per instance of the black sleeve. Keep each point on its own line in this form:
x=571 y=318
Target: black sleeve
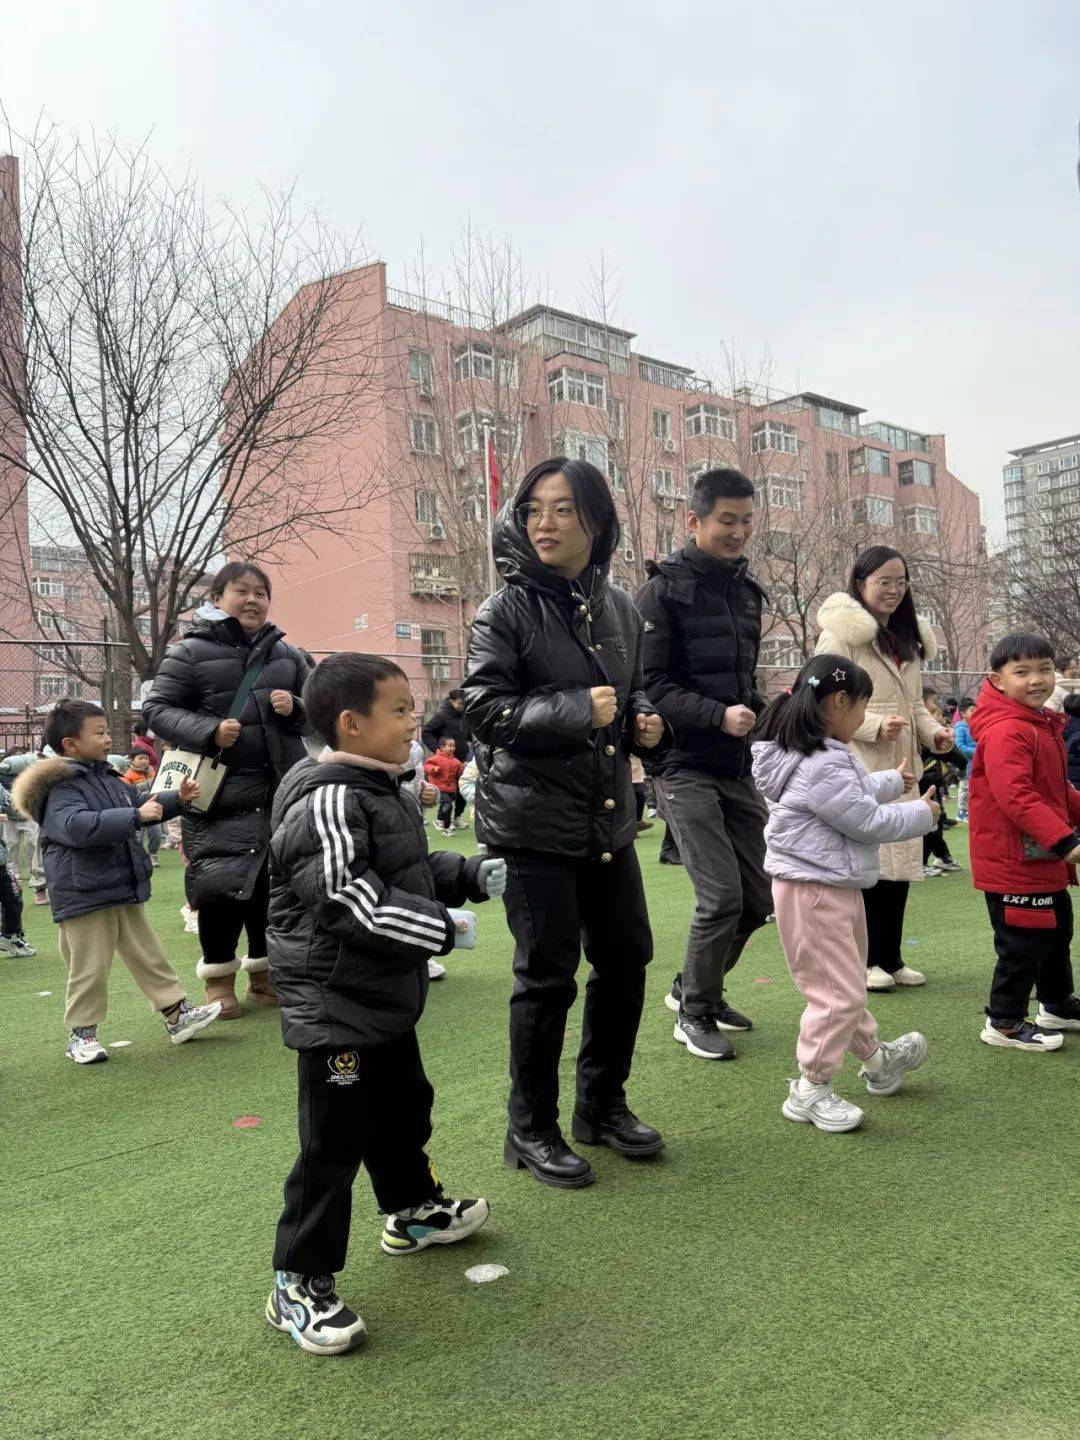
x=431 y=734
x=171 y=710
x=684 y=709
x=639 y=702
x=450 y=873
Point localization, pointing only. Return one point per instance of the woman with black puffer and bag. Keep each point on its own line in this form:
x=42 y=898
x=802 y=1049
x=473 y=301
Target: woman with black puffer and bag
x=227 y=847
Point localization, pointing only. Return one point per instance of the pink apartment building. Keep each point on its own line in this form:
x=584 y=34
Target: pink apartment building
x=403 y=571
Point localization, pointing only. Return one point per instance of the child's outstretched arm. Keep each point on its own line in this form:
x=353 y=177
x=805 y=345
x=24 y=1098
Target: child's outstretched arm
x=68 y=820
x=841 y=800
x=887 y=785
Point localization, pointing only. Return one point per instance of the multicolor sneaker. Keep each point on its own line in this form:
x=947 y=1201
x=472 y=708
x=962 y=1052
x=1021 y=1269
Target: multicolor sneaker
x=906 y=1052
x=17 y=945
x=84 y=1047
x=822 y=1108
x=190 y=1019
x=307 y=1308
x=436 y=1222
x=1024 y=1037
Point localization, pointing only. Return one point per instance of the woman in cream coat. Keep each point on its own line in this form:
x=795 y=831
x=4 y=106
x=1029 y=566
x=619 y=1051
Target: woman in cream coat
x=875 y=624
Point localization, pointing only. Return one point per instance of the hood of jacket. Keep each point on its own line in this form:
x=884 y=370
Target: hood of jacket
x=518 y=563
x=686 y=568
x=995 y=709
x=852 y=623
x=32 y=787
x=210 y=623
x=773 y=767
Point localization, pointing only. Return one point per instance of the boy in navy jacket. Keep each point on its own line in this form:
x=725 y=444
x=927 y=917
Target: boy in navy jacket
x=98 y=877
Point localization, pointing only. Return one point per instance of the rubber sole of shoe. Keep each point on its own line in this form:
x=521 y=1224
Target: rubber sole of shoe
x=896 y=1080
x=1010 y=1042
x=288 y=1328
x=881 y=989
x=729 y=1054
x=1055 y=1022
x=907 y=984
x=587 y=1134
x=513 y=1161
x=801 y=1118
x=190 y=1031
x=89 y=1059
x=671 y=1003
x=441 y=1237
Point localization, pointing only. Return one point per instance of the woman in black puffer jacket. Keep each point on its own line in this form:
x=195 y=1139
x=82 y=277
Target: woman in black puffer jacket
x=554 y=698
x=227 y=848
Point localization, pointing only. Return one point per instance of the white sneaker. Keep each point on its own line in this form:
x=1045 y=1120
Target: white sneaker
x=906 y=1052
x=190 y=1019
x=1025 y=1037
x=822 y=1108
x=461 y=823
x=307 y=1308
x=929 y=871
x=16 y=945
x=435 y=971
x=907 y=976
x=1051 y=1020
x=878 y=979
x=84 y=1047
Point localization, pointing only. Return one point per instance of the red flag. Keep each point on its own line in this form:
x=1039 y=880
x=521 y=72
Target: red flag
x=493 y=476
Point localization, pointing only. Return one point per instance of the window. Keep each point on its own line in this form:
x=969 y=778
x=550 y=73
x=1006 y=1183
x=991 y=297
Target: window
x=830 y=419
x=783 y=492
x=915 y=472
x=51 y=588
x=930 y=614
x=434 y=655
x=771 y=436
x=1042 y=467
x=577 y=446
x=50 y=624
x=664 y=482
x=939 y=662
x=665 y=538
x=420 y=367
x=628 y=551
x=894 y=435
x=615 y=413
x=671 y=377
x=1013 y=474
x=474 y=361
x=874 y=510
x=52 y=655
x=425 y=435
x=709 y=420
x=432 y=575
x=615 y=471
x=1070 y=462
x=877 y=462
x=661 y=424
x=781 y=600
x=470 y=432
x=59 y=687
x=837 y=516
x=781 y=653
x=427 y=507
x=921 y=520
x=577 y=387
x=832 y=465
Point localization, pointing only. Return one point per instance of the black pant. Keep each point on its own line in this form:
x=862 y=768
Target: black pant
x=451 y=806
x=10 y=904
x=934 y=843
x=370 y=1107
x=885 y=904
x=639 y=800
x=1029 y=956
x=221 y=921
x=554 y=906
x=669 y=849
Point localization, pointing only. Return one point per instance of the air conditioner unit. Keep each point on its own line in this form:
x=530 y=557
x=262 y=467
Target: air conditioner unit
x=667 y=502
x=669 y=446
x=427 y=389
x=436 y=530
x=460 y=462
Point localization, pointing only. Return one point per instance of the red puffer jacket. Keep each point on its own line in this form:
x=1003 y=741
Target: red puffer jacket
x=1021 y=804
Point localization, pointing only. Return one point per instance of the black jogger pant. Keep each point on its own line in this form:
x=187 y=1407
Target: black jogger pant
x=370 y=1107
x=1032 y=940
x=11 y=905
x=221 y=921
x=555 y=907
x=885 y=905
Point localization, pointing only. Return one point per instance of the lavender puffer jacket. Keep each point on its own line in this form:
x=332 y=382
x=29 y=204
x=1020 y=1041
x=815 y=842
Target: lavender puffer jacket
x=827 y=816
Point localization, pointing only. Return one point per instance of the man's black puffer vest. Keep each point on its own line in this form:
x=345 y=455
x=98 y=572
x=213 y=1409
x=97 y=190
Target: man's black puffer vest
x=702 y=640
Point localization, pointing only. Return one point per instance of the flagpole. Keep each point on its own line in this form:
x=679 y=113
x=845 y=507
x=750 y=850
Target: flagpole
x=487 y=511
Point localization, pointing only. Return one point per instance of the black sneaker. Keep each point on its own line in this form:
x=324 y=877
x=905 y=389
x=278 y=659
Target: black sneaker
x=1063 y=1016
x=701 y=1037
x=728 y=1018
x=673 y=999
x=307 y=1308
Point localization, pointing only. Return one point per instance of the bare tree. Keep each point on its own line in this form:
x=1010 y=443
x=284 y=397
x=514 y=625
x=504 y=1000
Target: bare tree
x=180 y=370
x=1037 y=583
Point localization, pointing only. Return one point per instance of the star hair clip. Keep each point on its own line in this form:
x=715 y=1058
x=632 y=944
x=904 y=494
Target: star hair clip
x=839 y=675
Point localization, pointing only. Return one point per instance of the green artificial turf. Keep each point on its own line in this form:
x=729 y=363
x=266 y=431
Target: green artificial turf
x=911 y=1279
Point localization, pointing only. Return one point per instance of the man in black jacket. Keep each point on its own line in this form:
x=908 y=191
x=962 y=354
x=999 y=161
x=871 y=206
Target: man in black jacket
x=702 y=612
x=449 y=723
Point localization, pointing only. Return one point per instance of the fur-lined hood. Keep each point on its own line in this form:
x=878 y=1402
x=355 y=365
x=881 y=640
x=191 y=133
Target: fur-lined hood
x=33 y=785
x=853 y=625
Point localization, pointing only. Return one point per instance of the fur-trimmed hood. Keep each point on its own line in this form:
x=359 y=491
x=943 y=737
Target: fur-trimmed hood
x=32 y=787
x=852 y=623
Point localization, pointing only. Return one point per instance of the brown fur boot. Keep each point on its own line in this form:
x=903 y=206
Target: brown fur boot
x=221 y=985
x=259 y=991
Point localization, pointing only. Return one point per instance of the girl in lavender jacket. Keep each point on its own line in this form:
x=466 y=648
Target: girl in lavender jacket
x=827 y=817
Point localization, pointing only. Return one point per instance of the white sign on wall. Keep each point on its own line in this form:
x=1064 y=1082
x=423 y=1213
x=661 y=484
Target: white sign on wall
x=360 y=623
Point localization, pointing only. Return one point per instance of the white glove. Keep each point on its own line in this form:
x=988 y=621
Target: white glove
x=465 y=929
x=491 y=877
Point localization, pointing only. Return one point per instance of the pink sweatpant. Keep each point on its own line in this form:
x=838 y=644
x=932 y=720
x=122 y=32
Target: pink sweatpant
x=823 y=932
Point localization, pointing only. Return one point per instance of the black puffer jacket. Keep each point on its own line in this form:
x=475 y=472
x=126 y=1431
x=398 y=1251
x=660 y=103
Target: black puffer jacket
x=548 y=780
x=191 y=695
x=357 y=905
x=702 y=639
x=447 y=724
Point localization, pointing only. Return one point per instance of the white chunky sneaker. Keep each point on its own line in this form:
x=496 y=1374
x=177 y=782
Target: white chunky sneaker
x=439 y=1222
x=307 y=1308
x=84 y=1047
x=190 y=1019
x=1065 y=1016
x=907 y=976
x=1025 y=1037
x=822 y=1108
x=435 y=971
x=906 y=1052
x=878 y=979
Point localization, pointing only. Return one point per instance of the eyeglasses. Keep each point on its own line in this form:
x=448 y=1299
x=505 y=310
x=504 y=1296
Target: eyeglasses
x=562 y=514
x=898 y=585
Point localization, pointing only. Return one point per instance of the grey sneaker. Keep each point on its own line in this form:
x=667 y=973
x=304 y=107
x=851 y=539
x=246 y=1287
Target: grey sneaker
x=701 y=1037
x=822 y=1108
x=905 y=1053
x=16 y=945
x=191 y=1019
x=84 y=1047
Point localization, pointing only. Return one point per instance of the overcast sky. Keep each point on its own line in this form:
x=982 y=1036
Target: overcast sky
x=882 y=198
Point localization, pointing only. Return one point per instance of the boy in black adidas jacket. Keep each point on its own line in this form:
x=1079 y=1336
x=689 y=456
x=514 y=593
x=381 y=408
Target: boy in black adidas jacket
x=357 y=909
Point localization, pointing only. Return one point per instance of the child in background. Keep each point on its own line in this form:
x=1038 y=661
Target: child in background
x=937 y=857
x=357 y=907
x=444 y=772
x=140 y=776
x=12 y=939
x=99 y=877
x=827 y=818
x=1072 y=736
x=965 y=744
x=1025 y=842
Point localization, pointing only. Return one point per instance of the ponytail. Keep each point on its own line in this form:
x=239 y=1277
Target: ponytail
x=795 y=720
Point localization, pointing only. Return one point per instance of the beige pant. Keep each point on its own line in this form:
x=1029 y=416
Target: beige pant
x=88 y=944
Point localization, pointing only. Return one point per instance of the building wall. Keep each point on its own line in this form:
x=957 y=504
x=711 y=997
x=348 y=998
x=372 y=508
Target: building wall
x=14 y=509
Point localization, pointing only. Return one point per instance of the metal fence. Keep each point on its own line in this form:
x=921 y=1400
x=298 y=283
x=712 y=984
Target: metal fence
x=950 y=684
x=34 y=674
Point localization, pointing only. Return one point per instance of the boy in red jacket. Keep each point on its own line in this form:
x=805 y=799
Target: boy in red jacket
x=1024 y=816
x=443 y=770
